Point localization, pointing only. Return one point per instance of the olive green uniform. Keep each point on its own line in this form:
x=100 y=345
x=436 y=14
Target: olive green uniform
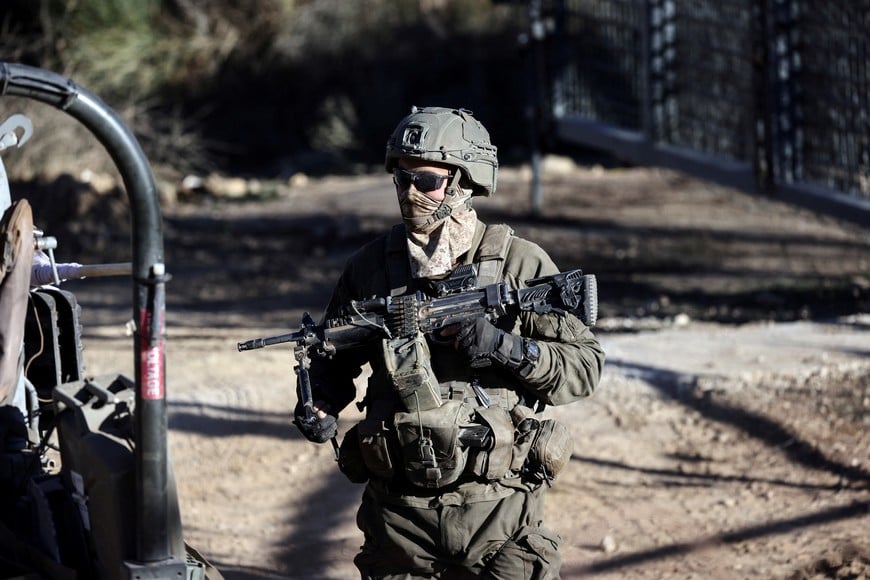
x=486 y=523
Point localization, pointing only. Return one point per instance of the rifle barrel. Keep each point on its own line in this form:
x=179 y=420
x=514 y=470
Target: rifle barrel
x=256 y=343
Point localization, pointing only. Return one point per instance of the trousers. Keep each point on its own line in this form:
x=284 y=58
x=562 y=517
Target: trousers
x=498 y=539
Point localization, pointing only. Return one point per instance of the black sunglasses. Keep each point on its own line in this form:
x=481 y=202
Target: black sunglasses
x=423 y=181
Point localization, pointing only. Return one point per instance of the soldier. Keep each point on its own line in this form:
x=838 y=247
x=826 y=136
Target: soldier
x=443 y=499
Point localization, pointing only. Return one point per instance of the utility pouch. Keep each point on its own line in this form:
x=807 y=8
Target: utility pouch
x=407 y=364
x=552 y=449
x=374 y=447
x=350 y=458
x=429 y=440
x=525 y=429
x=494 y=462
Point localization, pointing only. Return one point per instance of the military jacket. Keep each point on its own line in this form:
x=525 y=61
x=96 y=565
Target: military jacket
x=570 y=361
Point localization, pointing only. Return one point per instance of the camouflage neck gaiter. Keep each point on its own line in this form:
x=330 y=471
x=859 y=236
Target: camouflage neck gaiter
x=435 y=244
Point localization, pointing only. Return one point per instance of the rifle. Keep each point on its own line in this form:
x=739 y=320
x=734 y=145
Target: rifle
x=459 y=299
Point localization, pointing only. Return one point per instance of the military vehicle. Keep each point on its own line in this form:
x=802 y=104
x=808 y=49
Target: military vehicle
x=86 y=487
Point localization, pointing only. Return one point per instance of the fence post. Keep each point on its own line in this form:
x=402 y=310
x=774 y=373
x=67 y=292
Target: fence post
x=534 y=104
x=659 y=53
x=763 y=86
x=785 y=109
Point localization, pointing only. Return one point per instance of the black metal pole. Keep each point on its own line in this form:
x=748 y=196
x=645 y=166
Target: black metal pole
x=152 y=497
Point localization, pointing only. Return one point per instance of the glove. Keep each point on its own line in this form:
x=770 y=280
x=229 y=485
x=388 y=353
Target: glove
x=479 y=339
x=484 y=343
x=317 y=429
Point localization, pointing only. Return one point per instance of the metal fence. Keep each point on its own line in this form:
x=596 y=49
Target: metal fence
x=769 y=96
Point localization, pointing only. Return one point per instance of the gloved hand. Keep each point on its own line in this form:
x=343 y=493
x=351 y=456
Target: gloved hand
x=320 y=428
x=483 y=342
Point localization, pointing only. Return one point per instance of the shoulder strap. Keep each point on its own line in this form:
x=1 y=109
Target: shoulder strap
x=492 y=252
x=398 y=268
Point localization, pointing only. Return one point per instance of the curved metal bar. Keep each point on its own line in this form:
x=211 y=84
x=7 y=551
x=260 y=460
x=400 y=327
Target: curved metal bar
x=148 y=279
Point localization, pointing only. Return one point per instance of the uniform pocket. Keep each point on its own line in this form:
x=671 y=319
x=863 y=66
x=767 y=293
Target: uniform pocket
x=534 y=555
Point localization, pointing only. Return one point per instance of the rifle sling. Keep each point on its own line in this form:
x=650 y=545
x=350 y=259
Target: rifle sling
x=398 y=267
x=491 y=254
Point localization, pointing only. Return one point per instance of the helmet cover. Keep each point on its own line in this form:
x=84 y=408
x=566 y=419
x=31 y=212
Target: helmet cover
x=449 y=137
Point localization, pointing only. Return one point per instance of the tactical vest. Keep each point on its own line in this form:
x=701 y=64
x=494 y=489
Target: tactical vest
x=434 y=437
x=489 y=258
x=471 y=430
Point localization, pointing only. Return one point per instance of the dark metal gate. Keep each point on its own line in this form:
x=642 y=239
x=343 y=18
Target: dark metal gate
x=768 y=96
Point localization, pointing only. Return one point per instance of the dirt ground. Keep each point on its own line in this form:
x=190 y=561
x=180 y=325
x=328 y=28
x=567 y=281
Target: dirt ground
x=728 y=438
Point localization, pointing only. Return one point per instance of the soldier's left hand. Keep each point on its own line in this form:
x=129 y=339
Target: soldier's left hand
x=481 y=340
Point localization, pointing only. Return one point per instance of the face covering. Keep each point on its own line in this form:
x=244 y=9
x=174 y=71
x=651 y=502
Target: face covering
x=436 y=242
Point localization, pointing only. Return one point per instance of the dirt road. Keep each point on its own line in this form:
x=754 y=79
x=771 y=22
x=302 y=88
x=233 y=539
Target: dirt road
x=711 y=450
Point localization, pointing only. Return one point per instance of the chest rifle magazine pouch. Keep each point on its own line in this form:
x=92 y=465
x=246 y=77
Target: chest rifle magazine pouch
x=407 y=362
x=495 y=462
x=526 y=427
x=431 y=453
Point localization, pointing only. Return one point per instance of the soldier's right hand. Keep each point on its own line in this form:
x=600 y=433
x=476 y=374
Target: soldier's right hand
x=319 y=428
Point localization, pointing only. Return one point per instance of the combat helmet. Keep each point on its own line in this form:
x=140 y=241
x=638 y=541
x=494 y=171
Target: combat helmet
x=450 y=136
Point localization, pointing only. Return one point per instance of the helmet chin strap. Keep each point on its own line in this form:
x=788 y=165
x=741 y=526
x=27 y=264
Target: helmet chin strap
x=444 y=209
